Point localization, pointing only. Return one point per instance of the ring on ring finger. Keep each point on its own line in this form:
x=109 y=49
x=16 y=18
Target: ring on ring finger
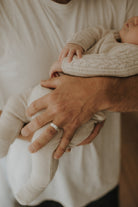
x=54 y=126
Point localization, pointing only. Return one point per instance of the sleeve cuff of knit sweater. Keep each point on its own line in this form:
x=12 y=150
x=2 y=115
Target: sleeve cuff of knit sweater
x=67 y=67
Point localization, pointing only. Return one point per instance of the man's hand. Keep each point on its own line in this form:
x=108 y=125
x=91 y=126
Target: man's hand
x=73 y=102
x=68 y=106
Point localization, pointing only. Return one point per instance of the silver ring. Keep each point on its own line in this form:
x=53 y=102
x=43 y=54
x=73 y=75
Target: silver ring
x=54 y=126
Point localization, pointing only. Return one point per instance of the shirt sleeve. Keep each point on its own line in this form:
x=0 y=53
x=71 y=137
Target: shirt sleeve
x=122 y=64
x=88 y=37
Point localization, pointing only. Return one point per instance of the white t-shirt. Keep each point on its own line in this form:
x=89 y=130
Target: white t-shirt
x=32 y=34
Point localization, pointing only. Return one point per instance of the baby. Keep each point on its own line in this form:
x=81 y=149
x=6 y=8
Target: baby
x=105 y=56
x=106 y=52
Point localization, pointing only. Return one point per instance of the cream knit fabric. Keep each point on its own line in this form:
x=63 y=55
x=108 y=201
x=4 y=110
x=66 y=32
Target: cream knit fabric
x=104 y=55
x=43 y=164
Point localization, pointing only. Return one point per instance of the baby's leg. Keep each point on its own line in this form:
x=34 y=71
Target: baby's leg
x=11 y=121
x=43 y=164
x=44 y=167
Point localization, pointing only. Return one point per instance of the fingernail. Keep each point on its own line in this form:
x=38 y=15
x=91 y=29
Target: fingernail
x=25 y=133
x=56 y=157
x=31 y=149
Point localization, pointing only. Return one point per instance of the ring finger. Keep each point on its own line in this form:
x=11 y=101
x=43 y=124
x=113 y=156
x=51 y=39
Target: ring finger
x=36 y=123
x=43 y=139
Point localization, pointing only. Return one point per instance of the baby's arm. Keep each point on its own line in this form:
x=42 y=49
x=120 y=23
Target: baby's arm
x=81 y=41
x=122 y=62
x=11 y=121
x=77 y=45
x=88 y=37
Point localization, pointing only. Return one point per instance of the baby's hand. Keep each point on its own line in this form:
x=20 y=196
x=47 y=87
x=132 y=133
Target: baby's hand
x=55 y=69
x=70 y=50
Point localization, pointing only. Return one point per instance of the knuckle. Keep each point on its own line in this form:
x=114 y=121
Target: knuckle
x=71 y=51
x=60 y=108
x=75 y=124
x=37 y=145
x=39 y=121
x=62 y=149
x=34 y=106
x=68 y=139
x=56 y=109
x=51 y=99
x=70 y=127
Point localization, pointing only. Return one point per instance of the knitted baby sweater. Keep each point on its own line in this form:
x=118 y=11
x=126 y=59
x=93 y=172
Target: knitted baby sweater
x=104 y=55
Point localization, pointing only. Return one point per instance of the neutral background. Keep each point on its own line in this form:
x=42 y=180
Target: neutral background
x=129 y=164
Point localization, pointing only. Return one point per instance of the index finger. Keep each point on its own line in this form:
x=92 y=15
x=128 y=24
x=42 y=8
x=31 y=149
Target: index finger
x=36 y=123
x=37 y=105
x=63 y=54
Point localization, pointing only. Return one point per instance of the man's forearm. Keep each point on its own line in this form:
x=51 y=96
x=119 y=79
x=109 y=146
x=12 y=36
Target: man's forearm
x=122 y=94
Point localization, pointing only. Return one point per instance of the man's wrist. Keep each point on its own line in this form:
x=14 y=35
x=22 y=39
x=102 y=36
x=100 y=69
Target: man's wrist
x=120 y=94
x=99 y=89
x=110 y=94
